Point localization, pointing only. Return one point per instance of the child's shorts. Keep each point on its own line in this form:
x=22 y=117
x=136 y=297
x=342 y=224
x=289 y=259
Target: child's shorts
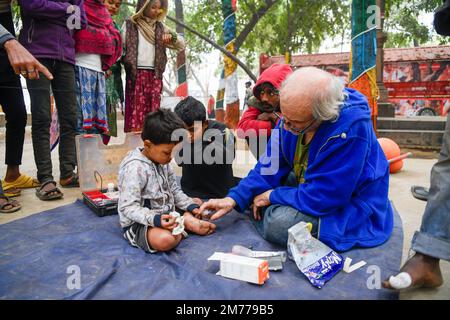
x=136 y=234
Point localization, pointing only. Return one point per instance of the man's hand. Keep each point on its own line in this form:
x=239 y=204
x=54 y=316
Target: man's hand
x=267 y=116
x=261 y=201
x=23 y=61
x=223 y=206
x=168 y=222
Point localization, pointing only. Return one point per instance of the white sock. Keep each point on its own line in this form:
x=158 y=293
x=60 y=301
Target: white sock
x=401 y=281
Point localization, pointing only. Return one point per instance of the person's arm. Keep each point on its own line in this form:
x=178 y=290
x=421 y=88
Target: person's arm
x=123 y=34
x=331 y=180
x=182 y=201
x=23 y=61
x=131 y=182
x=5 y=35
x=178 y=42
x=249 y=122
x=267 y=174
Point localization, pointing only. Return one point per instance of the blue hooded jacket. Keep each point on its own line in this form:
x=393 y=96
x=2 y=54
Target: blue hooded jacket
x=346 y=180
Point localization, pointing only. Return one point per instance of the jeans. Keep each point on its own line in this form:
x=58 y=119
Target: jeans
x=433 y=239
x=63 y=86
x=277 y=219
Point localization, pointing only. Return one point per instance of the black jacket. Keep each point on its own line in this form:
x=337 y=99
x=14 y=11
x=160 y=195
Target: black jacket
x=205 y=180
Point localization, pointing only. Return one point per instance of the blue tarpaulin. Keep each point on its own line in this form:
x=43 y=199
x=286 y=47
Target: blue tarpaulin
x=40 y=255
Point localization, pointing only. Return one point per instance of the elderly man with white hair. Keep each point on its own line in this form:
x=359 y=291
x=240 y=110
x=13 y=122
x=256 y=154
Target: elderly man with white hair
x=323 y=165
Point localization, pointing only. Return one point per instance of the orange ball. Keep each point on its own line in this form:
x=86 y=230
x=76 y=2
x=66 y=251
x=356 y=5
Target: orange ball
x=391 y=150
x=396 y=166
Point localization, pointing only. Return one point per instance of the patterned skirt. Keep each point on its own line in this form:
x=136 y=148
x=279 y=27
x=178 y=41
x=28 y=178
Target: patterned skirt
x=91 y=101
x=141 y=99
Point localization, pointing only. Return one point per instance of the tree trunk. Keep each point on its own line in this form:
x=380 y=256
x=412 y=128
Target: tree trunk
x=288 y=33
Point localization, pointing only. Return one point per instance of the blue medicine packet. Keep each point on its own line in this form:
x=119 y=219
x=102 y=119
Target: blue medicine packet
x=315 y=260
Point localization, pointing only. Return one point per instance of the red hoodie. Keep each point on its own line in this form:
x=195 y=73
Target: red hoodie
x=275 y=75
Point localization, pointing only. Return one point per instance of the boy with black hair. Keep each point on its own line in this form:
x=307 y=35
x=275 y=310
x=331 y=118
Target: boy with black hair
x=207 y=178
x=148 y=190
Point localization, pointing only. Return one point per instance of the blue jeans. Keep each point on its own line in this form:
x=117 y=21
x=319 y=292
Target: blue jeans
x=433 y=239
x=277 y=219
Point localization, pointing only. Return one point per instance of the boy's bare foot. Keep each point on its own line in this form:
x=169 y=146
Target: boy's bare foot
x=198 y=226
x=423 y=270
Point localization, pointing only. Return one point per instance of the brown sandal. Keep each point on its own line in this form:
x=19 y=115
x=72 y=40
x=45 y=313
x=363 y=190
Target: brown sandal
x=12 y=204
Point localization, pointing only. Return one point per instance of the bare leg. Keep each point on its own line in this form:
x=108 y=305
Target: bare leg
x=12 y=173
x=162 y=239
x=423 y=270
x=198 y=226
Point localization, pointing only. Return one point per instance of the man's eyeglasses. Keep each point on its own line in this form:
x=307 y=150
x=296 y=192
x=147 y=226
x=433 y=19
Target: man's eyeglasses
x=294 y=129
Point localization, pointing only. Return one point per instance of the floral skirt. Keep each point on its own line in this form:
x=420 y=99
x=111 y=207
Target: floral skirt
x=141 y=99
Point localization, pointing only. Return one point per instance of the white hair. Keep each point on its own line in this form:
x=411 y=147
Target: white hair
x=325 y=91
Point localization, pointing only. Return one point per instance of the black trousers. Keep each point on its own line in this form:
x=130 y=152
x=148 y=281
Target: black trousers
x=63 y=86
x=13 y=105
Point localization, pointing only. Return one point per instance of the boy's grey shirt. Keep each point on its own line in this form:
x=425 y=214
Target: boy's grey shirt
x=141 y=179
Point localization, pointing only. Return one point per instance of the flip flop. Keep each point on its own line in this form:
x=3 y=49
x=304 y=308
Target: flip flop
x=52 y=194
x=420 y=193
x=22 y=182
x=15 y=206
x=12 y=192
x=73 y=182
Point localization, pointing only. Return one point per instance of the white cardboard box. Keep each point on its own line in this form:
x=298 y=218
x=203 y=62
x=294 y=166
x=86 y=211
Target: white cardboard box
x=241 y=268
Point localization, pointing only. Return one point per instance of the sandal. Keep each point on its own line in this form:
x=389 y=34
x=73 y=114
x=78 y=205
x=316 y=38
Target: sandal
x=12 y=204
x=12 y=192
x=52 y=194
x=420 y=193
x=22 y=182
x=73 y=182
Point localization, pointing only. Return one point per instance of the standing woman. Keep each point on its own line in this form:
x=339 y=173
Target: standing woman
x=97 y=48
x=146 y=39
x=47 y=34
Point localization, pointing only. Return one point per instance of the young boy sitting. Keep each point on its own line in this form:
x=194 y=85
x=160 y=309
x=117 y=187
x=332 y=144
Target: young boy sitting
x=201 y=177
x=149 y=191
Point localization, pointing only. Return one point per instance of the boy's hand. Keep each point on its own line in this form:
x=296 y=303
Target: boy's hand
x=196 y=212
x=168 y=222
x=167 y=38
